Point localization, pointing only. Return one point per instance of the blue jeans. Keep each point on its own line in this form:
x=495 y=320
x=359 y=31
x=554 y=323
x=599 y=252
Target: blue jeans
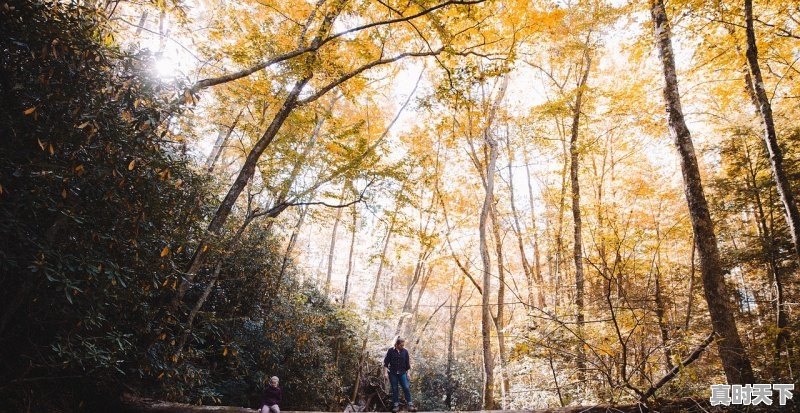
x=402 y=379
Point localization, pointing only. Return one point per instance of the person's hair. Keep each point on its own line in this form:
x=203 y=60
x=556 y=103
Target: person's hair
x=274 y=378
x=399 y=340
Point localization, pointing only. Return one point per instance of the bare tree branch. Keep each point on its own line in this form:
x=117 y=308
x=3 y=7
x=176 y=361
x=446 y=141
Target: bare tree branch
x=674 y=372
x=325 y=89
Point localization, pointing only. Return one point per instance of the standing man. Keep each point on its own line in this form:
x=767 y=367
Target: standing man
x=397 y=363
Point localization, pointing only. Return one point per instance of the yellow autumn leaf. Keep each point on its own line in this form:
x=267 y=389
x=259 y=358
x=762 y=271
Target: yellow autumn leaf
x=29 y=110
x=164 y=252
x=225 y=352
x=132 y=165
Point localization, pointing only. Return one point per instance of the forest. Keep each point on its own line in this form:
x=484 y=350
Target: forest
x=558 y=203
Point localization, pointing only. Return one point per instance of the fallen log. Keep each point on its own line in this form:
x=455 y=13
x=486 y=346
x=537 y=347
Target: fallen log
x=132 y=404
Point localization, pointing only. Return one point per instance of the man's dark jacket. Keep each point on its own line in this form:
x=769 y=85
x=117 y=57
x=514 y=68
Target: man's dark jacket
x=397 y=361
x=271 y=395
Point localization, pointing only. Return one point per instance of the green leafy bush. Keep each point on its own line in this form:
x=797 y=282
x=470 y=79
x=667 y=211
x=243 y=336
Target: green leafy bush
x=100 y=209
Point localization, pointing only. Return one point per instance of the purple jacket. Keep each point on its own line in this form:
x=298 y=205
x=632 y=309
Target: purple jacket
x=271 y=396
x=397 y=361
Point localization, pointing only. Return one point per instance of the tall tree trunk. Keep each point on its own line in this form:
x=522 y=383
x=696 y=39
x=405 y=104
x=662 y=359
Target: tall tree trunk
x=776 y=162
x=500 y=319
x=662 y=325
x=764 y=232
x=690 y=300
x=537 y=263
x=412 y=325
x=232 y=245
x=289 y=247
x=142 y=22
x=770 y=136
x=555 y=378
x=350 y=257
x=280 y=200
x=768 y=249
x=486 y=315
x=198 y=305
x=222 y=140
x=406 y=314
x=249 y=166
x=735 y=361
x=247 y=171
x=374 y=295
x=449 y=387
x=332 y=249
x=559 y=239
x=534 y=284
x=487 y=320
x=576 y=213
x=163 y=32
